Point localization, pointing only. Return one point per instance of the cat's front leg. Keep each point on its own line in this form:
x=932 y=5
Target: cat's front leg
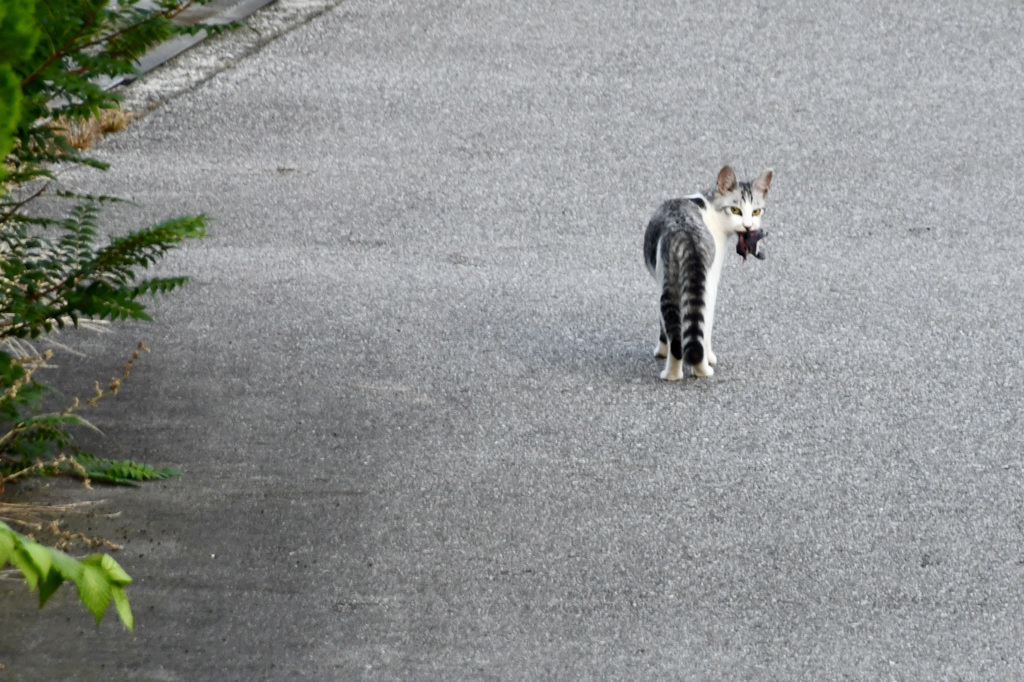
x=709 y=325
x=709 y=321
x=710 y=298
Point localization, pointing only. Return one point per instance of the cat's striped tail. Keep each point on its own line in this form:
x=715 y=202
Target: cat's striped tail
x=682 y=302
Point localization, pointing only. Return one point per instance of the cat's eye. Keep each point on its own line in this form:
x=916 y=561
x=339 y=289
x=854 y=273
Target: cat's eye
x=735 y=211
x=757 y=211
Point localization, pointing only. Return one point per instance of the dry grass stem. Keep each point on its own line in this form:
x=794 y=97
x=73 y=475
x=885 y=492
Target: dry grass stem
x=38 y=519
x=52 y=465
x=36 y=513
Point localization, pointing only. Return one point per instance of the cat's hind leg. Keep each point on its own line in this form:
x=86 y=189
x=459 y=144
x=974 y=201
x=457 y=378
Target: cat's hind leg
x=673 y=369
x=662 y=349
x=672 y=333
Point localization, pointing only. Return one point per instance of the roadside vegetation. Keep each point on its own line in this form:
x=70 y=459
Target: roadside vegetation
x=60 y=267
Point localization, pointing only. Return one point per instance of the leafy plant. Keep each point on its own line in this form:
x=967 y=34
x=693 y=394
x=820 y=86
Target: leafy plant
x=56 y=271
x=47 y=282
x=35 y=436
x=98 y=577
x=18 y=36
x=60 y=75
x=29 y=437
x=122 y=472
x=59 y=267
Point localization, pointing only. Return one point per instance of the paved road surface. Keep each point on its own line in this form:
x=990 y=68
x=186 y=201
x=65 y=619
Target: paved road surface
x=411 y=388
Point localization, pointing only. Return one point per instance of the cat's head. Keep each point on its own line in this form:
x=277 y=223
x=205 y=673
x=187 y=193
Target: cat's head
x=741 y=204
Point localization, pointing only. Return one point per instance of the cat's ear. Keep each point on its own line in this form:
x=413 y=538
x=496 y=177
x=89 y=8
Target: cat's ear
x=726 y=180
x=763 y=182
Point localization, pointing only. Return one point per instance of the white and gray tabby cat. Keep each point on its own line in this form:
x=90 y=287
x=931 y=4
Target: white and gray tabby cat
x=684 y=248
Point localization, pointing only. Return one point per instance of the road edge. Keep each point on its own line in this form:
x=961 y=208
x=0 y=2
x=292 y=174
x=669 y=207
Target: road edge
x=205 y=59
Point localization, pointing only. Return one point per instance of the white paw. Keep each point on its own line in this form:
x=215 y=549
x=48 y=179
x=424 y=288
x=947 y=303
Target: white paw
x=703 y=370
x=712 y=358
x=673 y=370
x=662 y=350
x=669 y=375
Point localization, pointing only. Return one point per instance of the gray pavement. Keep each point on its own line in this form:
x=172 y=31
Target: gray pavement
x=411 y=388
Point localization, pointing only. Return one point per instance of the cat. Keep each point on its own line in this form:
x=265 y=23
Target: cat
x=684 y=248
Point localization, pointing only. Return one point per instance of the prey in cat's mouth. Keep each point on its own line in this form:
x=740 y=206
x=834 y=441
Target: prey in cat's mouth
x=749 y=243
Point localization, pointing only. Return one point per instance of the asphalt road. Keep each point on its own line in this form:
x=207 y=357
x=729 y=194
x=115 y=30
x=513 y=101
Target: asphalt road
x=411 y=386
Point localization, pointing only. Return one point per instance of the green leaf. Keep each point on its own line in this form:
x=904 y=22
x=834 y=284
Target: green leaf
x=6 y=543
x=67 y=566
x=10 y=109
x=23 y=562
x=115 y=574
x=124 y=611
x=39 y=556
x=48 y=585
x=94 y=589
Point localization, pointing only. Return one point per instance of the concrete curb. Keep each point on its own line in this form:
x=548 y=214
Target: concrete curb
x=172 y=48
x=180 y=65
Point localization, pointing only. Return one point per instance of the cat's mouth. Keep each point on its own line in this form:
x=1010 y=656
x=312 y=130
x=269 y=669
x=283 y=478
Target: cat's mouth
x=749 y=244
